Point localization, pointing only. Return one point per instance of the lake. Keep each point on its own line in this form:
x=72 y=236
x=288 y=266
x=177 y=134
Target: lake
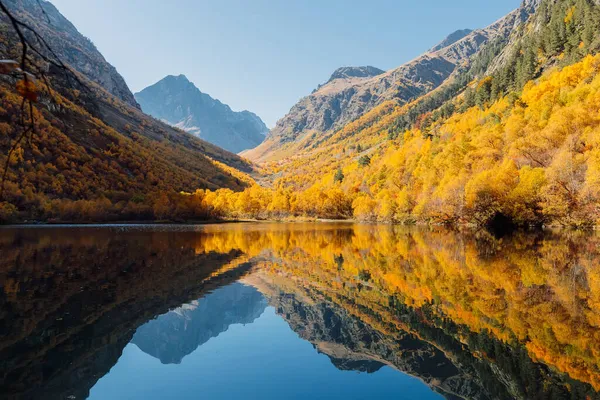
x=296 y=311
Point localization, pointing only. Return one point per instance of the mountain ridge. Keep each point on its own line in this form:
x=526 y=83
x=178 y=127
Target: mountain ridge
x=71 y=46
x=508 y=140
x=451 y=39
x=333 y=105
x=355 y=72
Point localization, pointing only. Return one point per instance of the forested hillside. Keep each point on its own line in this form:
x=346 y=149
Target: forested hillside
x=81 y=153
x=514 y=138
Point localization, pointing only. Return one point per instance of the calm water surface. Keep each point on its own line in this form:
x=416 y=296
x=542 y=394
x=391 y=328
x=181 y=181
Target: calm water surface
x=295 y=311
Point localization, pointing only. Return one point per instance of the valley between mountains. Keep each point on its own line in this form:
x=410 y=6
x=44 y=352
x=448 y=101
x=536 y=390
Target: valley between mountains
x=497 y=126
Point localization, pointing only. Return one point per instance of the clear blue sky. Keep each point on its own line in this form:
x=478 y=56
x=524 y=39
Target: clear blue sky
x=264 y=55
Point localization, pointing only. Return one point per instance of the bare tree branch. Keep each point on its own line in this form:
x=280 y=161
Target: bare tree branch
x=29 y=70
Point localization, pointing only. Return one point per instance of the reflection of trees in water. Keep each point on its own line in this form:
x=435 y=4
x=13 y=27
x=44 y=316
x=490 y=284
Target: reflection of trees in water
x=539 y=289
x=82 y=293
x=360 y=331
x=351 y=343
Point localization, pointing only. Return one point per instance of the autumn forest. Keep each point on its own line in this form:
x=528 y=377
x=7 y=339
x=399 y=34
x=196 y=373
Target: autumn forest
x=511 y=137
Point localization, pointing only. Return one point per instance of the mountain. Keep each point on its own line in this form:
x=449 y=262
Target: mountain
x=354 y=72
x=71 y=46
x=94 y=155
x=341 y=101
x=178 y=102
x=451 y=39
x=174 y=335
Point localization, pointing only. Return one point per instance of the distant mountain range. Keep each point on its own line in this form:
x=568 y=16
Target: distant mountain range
x=96 y=156
x=178 y=102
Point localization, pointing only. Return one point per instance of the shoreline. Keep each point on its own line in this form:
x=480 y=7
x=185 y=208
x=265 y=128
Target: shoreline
x=58 y=224
x=48 y=224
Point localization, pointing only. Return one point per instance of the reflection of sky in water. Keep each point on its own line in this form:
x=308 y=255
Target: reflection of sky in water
x=261 y=360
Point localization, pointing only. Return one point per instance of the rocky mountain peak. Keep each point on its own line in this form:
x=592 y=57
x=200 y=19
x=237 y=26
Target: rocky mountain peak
x=177 y=78
x=355 y=72
x=175 y=83
x=531 y=4
x=177 y=101
x=174 y=78
x=451 y=39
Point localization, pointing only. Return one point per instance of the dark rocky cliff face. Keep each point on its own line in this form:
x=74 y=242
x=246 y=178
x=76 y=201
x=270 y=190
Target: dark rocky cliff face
x=177 y=101
x=71 y=46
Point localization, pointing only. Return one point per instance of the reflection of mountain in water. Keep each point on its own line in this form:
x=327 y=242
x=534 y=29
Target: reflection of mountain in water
x=359 y=333
x=353 y=345
x=174 y=335
x=71 y=300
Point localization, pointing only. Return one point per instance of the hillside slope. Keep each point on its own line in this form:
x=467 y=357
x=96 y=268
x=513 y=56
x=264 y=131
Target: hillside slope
x=95 y=157
x=71 y=46
x=177 y=101
x=335 y=104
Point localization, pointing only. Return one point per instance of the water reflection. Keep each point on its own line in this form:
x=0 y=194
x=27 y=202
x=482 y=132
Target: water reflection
x=179 y=332
x=72 y=299
x=470 y=315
